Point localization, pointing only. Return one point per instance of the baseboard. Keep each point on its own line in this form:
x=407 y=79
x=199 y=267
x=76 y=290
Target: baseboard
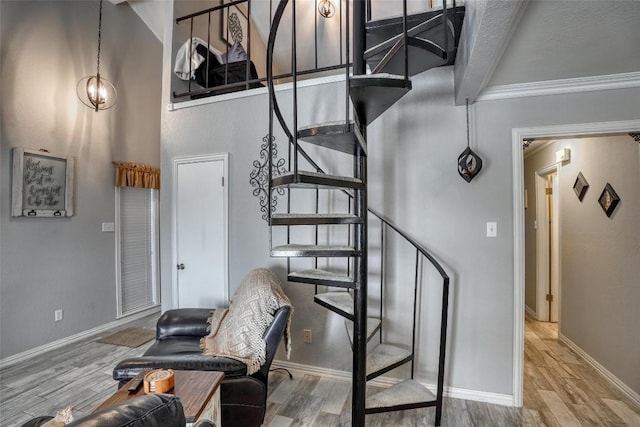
x=16 y=358
x=631 y=394
x=531 y=312
x=453 y=392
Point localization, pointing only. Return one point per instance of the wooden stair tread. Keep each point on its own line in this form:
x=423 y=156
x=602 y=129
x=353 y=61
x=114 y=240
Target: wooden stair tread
x=339 y=136
x=314 y=219
x=338 y=302
x=322 y=277
x=385 y=357
x=373 y=325
x=296 y=250
x=406 y=393
x=307 y=179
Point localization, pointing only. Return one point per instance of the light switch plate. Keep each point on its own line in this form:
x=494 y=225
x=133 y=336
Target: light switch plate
x=492 y=229
x=108 y=227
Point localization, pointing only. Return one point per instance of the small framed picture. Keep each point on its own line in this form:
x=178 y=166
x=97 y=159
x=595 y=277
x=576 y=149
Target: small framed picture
x=580 y=186
x=608 y=199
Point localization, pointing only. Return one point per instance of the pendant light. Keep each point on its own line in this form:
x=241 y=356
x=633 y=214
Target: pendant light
x=469 y=163
x=96 y=92
x=326 y=8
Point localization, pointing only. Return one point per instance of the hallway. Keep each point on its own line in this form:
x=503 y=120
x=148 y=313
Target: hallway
x=561 y=389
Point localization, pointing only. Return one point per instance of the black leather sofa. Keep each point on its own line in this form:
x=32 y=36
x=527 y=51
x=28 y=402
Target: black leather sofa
x=243 y=397
x=141 y=411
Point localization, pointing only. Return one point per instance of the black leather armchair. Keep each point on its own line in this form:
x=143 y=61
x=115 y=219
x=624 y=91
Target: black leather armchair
x=243 y=397
x=141 y=411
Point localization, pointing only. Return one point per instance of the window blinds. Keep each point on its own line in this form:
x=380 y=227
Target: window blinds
x=137 y=249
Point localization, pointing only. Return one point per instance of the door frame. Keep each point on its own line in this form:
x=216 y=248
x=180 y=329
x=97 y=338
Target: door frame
x=224 y=157
x=517 y=137
x=543 y=267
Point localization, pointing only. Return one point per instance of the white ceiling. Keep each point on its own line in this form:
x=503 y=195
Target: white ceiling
x=562 y=39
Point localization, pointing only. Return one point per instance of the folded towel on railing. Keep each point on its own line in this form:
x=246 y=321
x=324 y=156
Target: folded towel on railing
x=237 y=332
x=187 y=54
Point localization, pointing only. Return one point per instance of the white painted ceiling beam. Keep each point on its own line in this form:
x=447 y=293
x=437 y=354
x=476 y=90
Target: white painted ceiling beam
x=487 y=29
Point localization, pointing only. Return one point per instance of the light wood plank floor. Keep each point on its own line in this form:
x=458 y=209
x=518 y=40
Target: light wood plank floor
x=560 y=390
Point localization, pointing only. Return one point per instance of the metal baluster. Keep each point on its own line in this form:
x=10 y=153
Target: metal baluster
x=406 y=40
x=190 y=51
x=415 y=305
x=294 y=71
x=383 y=253
x=248 y=66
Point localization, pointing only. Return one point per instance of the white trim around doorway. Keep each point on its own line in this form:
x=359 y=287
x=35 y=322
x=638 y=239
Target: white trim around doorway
x=517 y=135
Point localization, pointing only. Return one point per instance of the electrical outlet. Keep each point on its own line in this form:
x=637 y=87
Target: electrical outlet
x=57 y=315
x=307 y=335
x=108 y=227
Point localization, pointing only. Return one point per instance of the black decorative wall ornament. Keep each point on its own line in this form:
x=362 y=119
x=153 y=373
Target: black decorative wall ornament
x=469 y=163
x=608 y=199
x=635 y=136
x=259 y=176
x=580 y=186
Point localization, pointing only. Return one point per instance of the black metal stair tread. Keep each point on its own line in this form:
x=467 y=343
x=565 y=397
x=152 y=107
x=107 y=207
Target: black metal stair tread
x=322 y=277
x=373 y=325
x=296 y=250
x=338 y=302
x=307 y=179
x=415 y=30
x=339 y=136
x=408 y=394
x=423 y=55
x=395 y=22
x=373 y=94
x=385 y=357
x=314 y=219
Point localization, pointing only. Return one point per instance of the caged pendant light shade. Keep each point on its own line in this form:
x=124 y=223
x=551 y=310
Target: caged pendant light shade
x=96 y=92
x=326 y=8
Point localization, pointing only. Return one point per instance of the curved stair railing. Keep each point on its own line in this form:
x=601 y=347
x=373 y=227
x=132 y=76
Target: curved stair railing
x=369 y=95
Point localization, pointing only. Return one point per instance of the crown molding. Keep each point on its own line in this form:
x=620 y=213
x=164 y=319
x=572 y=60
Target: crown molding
x=560 y=87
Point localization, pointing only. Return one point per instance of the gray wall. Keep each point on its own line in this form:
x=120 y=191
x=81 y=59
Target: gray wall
x=69 y=263
x=413 y=180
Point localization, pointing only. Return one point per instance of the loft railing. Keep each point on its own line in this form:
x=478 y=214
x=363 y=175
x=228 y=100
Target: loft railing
x=214 y=15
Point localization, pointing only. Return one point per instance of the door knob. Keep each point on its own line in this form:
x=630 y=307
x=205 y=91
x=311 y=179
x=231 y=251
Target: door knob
x=180 y=266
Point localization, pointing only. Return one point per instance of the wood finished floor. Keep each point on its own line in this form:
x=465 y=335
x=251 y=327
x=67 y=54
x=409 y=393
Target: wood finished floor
x=560 y=390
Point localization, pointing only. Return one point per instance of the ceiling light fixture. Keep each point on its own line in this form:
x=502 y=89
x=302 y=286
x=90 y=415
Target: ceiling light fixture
x=326 y=8
x=94 y=91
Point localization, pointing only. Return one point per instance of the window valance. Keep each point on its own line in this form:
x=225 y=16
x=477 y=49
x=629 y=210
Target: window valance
x=137 y=175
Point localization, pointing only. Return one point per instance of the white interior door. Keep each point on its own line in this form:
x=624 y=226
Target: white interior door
x=554 y=249
x=200 y=233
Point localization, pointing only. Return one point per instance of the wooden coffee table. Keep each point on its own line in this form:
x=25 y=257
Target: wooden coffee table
x=199 y=393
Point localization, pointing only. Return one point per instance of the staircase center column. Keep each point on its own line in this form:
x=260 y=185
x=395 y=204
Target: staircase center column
x=360 y=238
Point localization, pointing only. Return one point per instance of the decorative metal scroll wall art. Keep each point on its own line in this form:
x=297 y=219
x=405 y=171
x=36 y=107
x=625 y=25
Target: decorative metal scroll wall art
x=635 y=136
x=469 y=163
x=259 y=176
x=580 y=186
x=608 y=199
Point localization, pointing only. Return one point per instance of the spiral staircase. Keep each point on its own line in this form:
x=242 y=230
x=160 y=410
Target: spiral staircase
x=386 y=53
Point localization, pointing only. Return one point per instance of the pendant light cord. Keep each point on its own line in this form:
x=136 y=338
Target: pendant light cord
x=467 y=122
x=99 y=38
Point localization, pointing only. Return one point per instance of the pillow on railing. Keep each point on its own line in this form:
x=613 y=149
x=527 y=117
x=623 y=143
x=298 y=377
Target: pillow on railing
x=235 y=54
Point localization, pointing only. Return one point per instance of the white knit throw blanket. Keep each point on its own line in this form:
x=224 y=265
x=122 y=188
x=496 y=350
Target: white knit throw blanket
x=237 y=332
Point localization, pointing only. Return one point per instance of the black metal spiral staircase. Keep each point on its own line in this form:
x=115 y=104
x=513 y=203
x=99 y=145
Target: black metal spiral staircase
x=393 y=49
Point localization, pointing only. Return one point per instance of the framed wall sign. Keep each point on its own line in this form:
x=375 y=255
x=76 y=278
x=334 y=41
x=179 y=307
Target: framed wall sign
x=42 y=184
